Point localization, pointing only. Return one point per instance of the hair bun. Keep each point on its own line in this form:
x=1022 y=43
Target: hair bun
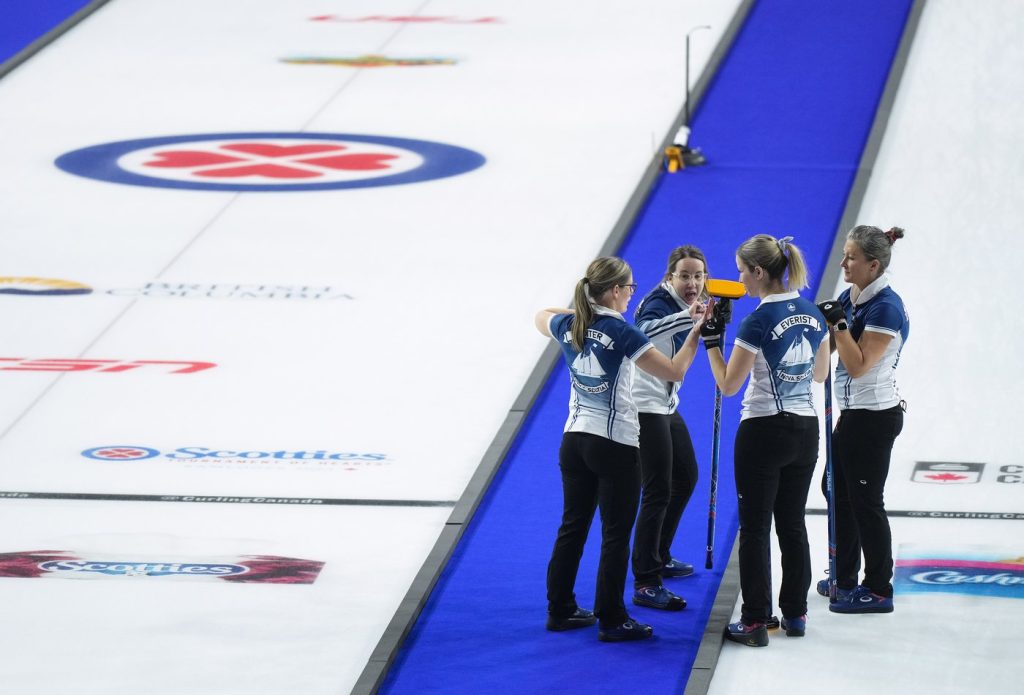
x=894 y=234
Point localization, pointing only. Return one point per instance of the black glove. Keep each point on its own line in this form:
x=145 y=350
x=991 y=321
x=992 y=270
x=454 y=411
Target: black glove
x=722 y=311
x=712 y=333
x=833 y=311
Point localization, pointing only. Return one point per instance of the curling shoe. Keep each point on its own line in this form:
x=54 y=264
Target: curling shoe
x=755 y=635
x=795 y=627
x=581 y=618
x=675 y=568
x=862 y=600
x=772 y=623
x=626 y=632
x=658 y=597
x=841 y=593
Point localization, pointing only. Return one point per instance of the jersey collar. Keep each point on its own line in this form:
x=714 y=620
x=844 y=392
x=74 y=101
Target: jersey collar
x=675 y=295
x=784 y=297
x=605 y=311
x=859 y=296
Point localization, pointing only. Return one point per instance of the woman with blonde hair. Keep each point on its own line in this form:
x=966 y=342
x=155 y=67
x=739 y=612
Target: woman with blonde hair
x=781 y=346
x=599 y=454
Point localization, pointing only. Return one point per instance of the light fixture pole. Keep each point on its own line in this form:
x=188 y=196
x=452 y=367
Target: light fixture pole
x=686 y=111
x=689 y=156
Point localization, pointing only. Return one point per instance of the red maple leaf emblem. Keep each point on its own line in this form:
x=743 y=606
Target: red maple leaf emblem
x=945 y=477
x=266 y=160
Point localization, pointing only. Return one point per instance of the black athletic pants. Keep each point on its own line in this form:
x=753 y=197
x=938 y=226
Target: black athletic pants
x=596 y=472
x=774 y=464
x=861 y=449
x=668 y=470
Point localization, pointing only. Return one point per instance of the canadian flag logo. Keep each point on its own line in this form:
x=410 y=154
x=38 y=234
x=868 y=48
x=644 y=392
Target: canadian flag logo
x=947 y=472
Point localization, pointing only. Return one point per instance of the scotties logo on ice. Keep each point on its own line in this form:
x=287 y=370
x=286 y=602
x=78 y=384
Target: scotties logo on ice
x=269 y=161
x=976 y=570
x=41 y=287
x=249 y=569
x=148 y=569
x=234 y=458
x=947 y=472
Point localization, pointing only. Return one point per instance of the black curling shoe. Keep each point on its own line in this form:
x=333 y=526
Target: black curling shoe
x=627 y=632
x=755 y=635
x=581 y=618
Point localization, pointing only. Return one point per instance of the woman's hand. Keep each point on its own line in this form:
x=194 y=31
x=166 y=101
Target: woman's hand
x=699 y=312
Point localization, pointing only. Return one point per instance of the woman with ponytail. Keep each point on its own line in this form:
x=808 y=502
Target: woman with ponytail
x=869 y=327
x=599 y=454
x=781 y=346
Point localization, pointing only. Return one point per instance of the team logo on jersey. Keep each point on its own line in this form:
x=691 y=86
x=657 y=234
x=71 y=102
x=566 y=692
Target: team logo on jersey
x=947 y=472
x=369 y=61
x=587 y=373
x=39 y=287
x=269 y=161
x=798 y=320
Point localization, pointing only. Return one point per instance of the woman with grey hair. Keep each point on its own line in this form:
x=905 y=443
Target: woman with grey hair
x=869 y=327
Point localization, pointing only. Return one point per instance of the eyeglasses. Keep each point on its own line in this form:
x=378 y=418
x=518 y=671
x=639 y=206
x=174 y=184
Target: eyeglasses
x=686 y=277
x=631 y=286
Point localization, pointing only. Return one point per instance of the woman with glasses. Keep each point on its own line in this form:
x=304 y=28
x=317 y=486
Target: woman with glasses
x=781 y=346
x=599 y=454
x=668 y=465
x=869 y=326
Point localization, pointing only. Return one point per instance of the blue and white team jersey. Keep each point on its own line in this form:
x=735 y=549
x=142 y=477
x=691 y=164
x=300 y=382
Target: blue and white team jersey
x=601 y=401
x=784 y=333
x=876 y=309
x=665 y=319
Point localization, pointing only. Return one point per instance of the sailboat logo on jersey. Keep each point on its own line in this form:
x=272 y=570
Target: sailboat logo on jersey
x=269 y=161
x=587 y=373
x=797 y=362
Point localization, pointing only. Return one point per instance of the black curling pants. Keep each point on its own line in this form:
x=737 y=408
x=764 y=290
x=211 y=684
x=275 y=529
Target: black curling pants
x=774 y=463
x=861 y=450
x=668 y=469
x=596 y=473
